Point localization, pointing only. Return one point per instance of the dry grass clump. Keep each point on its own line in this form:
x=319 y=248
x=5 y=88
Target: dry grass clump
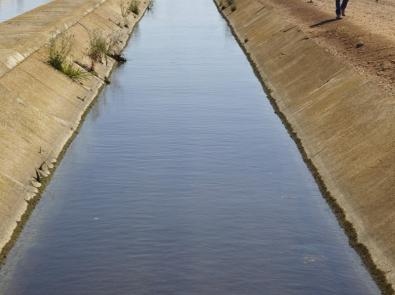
x=134 y=7
x=228 y=3
x=97 y=46
x=58 y=56
x=101 y=47
x=127 y=7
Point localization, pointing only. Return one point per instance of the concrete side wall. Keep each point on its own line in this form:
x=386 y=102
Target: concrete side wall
x=345 y=124
x=41 y=107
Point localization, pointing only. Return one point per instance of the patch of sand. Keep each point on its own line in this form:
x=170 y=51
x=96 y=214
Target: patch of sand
x=364 y=39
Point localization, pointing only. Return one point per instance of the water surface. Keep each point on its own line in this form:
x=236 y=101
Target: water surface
x=12 y=8
x=183 y=181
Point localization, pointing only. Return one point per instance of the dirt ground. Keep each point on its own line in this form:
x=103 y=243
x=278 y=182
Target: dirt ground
x=364 y=38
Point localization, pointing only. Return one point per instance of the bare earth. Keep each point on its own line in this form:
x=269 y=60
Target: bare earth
x=365 y=38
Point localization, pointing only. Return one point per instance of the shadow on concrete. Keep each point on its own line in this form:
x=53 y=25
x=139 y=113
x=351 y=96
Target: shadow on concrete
x=324 y=22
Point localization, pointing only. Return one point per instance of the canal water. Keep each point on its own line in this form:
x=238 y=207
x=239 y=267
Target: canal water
x=12 y=8
x=183 y=181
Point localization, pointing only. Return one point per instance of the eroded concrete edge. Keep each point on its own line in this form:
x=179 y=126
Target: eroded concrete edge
x=42 y=110
x=343 y=125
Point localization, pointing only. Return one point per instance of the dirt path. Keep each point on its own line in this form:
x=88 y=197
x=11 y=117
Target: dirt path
x=365 y=38
x=373 y=16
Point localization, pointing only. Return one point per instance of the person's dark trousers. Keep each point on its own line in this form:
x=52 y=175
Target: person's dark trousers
x=340 y=5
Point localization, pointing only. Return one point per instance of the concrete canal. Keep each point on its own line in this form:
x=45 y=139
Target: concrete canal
x=12 y=8
x=183 y=181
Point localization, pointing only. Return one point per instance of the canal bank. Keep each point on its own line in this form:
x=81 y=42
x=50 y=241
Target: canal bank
x=41 y=107
x=182 y=180
x=10 y=9
x=342 y=122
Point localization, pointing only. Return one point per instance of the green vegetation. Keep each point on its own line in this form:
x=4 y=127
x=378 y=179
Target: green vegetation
x=112 y=48
x=129 y=6
x=59 y=49
x=228 y=3
x=101 y=47
x=58 y=57
x=232 y=4
x=73 y=72
x=97 y=48
x=134 y=7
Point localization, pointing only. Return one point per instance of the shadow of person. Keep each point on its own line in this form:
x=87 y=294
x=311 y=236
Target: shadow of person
x=324 y=22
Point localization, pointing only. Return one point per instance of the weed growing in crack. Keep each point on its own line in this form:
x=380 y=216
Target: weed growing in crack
x=101 y=47
x=97 y=48
x=134 y=7
x=58 y=56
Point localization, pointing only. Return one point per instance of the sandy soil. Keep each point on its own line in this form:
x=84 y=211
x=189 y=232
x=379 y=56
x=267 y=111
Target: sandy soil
x=374 y=16
x=364 y=39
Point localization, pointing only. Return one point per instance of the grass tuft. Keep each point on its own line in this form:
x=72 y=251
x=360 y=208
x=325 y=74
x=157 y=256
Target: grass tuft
x=101 y=47
x=97 y=46
x=223 y=4
x=59 y=50
x=73 y=72
x=134 y=7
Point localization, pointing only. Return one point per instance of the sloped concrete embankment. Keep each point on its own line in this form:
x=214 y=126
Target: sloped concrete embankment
x=344 y=124
x=40 y=107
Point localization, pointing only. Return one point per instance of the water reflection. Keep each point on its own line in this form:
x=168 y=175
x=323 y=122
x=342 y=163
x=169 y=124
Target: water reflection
x=12 y=8
x=183 y=181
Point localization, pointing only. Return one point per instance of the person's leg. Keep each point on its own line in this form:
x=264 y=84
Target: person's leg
x=338 y=8
x=344 y=6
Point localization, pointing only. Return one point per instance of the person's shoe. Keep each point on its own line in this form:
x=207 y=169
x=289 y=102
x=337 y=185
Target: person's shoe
x=338 y=16
x=343 y=12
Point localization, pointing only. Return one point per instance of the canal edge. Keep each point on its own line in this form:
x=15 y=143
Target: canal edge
x=378 y=275
x=33 y=201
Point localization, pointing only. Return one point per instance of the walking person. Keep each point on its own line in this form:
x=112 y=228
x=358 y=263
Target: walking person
x=341 y=6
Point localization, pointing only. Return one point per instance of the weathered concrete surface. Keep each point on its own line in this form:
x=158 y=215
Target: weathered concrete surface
x=40 y=107
x=345 y=124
